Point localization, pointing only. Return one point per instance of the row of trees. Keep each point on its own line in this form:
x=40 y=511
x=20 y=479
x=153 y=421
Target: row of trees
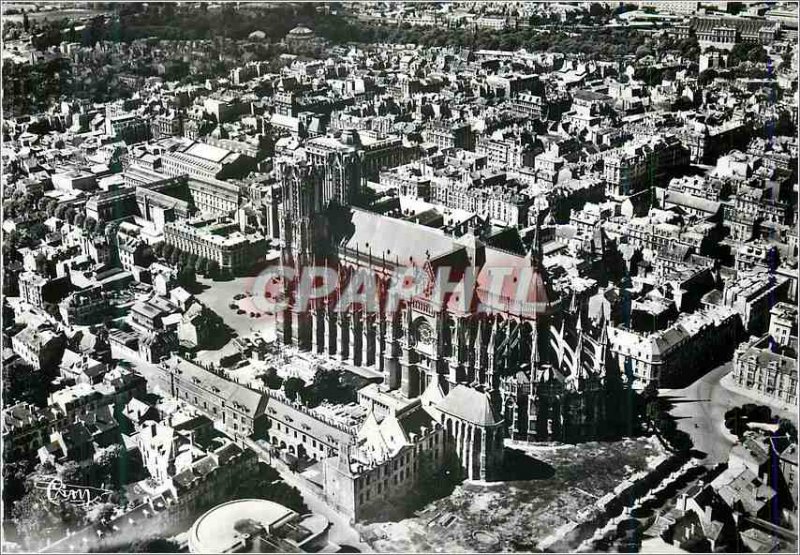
x=171 y=21
x=598 y=43
x=188 y=264
x=37 y=518
x=328 y=385
x=30 y=88
x=175 y=22
x=266 y=483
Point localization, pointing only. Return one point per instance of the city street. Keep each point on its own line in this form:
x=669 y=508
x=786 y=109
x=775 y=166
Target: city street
x=341 y=532
x=700 y=409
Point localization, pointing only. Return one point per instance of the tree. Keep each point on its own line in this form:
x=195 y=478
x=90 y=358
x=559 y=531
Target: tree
x=272 y=379
x=286 y=495
x=148 y=256
x=643 y=51
x=328 y=386
x=743 y=52
x=60 y=211
x=38 y=518
x=14 y=474
x=21 y=383
x=758 y=54
x=26 y=23
x=12 y=242
x=71 y=473
x=213 y=269
x=292 y=387
x=37 y=231
x=100 y=513
x=186 y=276
x=50 y=207
x=167 y=250
x=154 y=545
x=265 y=483
x=706 y=77
x=111 y=465
x=596 y=10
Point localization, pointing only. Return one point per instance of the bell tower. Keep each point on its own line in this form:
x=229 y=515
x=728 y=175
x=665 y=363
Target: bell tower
x=303 y=231
x=302 y=218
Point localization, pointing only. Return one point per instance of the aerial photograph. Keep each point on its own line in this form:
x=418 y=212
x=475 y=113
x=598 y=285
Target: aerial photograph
x=400 y=277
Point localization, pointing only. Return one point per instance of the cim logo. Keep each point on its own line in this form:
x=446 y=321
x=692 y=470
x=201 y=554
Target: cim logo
x=57 y=492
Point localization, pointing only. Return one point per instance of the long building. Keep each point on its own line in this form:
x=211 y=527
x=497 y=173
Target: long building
x=633 y=167
x=673 y=356
x=756 y=368
x=220 y=241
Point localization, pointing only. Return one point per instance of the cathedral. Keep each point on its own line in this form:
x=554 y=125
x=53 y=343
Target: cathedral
x=542 y=367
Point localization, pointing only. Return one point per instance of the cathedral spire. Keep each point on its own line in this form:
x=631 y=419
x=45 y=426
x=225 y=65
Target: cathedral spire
x=536 y=247
x=577 y=363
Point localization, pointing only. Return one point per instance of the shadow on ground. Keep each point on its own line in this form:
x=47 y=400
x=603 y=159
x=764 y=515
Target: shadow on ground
x=518 y=467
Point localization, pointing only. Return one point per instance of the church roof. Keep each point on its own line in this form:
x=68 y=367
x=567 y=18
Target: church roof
x=396 y=240
x=470 y=405
x=524 y=291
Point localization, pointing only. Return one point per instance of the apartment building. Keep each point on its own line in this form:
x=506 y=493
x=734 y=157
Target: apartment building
x=217 y=240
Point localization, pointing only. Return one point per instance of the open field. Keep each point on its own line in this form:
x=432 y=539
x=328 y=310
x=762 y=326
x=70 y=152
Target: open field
x=515 y=515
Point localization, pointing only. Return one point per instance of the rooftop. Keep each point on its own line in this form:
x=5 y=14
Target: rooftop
x=215 y=531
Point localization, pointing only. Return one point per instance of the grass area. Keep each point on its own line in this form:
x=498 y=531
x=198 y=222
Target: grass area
x=518 y=514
